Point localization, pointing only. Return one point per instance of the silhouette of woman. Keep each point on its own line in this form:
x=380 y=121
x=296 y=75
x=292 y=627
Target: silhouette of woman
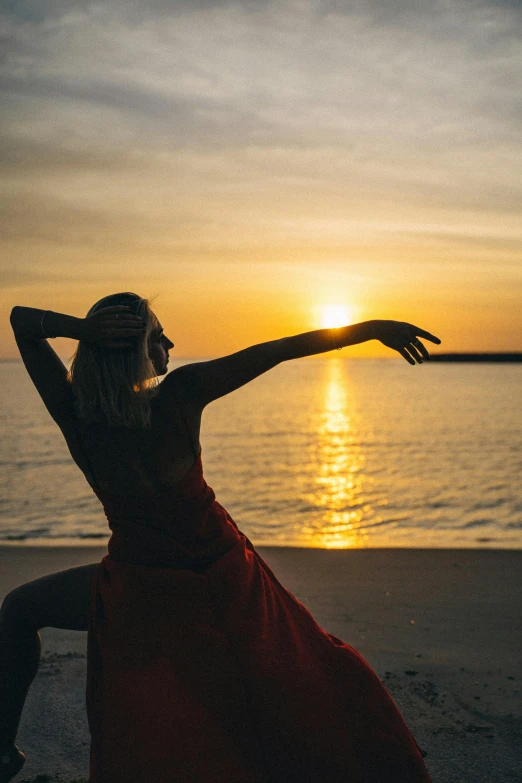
x=201 y=665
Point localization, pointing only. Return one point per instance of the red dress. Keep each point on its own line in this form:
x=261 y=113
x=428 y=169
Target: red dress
x=203 y=668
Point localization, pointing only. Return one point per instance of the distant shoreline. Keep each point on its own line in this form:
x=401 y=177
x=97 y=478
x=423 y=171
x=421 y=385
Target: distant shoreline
x=476 y=357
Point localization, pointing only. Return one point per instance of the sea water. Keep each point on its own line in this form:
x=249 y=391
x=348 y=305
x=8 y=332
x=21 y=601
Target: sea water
x=326 y=452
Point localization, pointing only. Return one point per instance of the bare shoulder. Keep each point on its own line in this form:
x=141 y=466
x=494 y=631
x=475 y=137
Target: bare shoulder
x=181 y=387
x=204 y=381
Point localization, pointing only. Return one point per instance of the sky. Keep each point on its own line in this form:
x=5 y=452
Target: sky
x=252 y=163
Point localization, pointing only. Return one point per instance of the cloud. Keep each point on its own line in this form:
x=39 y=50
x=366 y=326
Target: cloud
x=161 y=111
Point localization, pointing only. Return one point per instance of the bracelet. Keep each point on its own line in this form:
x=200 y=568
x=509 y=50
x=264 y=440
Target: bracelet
x=334 y=345
x=47 y=336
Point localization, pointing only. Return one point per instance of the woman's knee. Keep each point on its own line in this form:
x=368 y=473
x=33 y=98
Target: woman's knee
x=59 y=600
x=20 y=610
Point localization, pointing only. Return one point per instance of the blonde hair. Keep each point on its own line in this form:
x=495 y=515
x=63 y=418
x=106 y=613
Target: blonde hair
x=114 y=386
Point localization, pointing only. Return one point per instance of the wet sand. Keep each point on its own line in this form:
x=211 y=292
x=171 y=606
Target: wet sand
x=440 y=627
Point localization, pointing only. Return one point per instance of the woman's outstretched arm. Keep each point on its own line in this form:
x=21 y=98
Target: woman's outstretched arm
x=207 y=381
x=398 y=335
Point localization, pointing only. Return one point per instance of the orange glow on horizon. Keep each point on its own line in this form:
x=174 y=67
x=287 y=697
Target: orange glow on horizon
x=335 y=315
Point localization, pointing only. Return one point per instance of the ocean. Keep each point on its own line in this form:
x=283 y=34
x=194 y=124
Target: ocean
x=326 y=452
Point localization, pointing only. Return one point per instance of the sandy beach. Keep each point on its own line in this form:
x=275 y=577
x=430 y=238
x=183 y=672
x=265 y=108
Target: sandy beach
x=440 y=627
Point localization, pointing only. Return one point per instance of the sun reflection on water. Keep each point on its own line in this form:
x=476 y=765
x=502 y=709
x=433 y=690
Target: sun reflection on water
x=340 y=476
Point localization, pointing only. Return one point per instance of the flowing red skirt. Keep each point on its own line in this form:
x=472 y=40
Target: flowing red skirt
x=218 y=674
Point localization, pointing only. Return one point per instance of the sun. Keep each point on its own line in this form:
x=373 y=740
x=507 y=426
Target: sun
x=334 y=315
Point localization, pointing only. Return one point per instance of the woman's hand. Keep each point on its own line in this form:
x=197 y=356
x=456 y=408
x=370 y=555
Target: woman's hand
x=403 y=337
x=111 y=327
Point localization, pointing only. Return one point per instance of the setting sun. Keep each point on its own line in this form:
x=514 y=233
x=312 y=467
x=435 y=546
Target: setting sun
x=332 y=316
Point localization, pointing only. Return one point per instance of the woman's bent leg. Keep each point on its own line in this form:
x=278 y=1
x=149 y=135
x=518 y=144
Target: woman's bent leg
x=59 y=600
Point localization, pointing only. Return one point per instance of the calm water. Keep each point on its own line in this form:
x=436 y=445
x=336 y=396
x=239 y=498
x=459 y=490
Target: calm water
x=327 y=452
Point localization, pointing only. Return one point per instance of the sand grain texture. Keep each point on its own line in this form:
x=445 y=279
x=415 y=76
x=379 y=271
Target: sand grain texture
x=441 y=628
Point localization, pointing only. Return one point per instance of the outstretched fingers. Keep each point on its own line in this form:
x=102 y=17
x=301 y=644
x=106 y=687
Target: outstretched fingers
x=418 y=351
x=426 y=335
x=413 y=345
x=403 y=337
x=403 y=352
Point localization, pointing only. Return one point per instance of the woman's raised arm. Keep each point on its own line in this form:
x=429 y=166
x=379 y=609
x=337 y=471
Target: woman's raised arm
x=45 y=368
x=207 y=381
x=32 y=327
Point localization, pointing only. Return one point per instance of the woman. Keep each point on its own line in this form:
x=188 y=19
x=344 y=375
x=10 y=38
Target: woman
x=201 y=665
